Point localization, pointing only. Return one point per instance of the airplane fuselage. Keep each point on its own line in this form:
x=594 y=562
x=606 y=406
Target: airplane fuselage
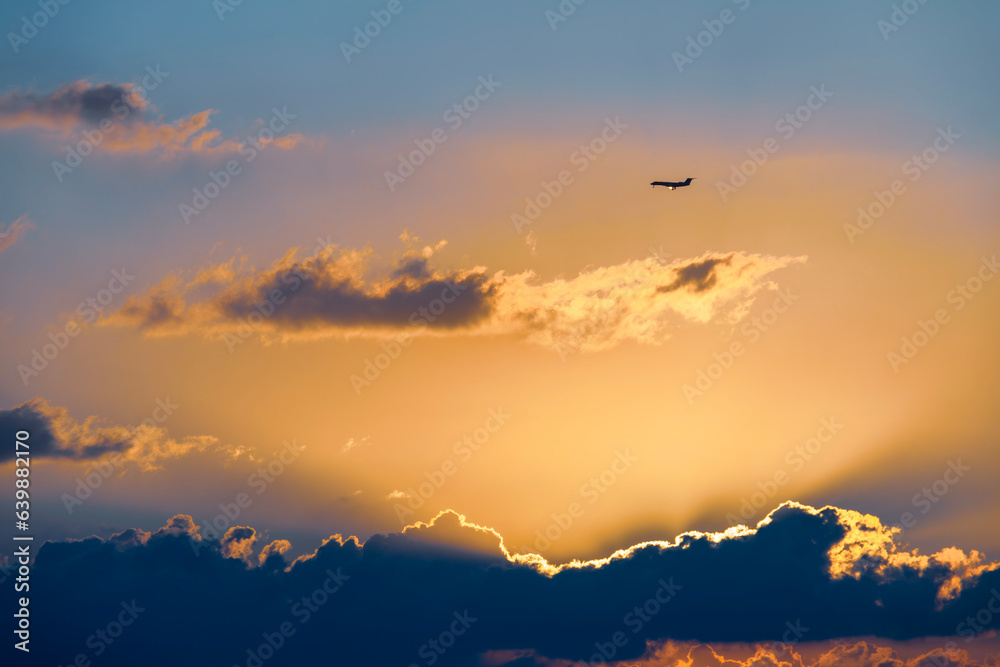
x=672 y=185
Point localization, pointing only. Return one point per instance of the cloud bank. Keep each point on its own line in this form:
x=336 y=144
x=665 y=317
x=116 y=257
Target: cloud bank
x=449 y=590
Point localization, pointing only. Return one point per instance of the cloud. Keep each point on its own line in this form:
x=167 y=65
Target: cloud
x=15 y=232
x=273 y=552
x=606 y=306
x=77 y=110
x=659 y=601
x=328 y=294
x=845 y=654
x=350 y=496
x=531 y=241
x=325 y=294
x=352 y=443
x=130 y=537
x=180 y=524
x=78 y=103
x=238 y=542
x=700 y=276
x=54 y=434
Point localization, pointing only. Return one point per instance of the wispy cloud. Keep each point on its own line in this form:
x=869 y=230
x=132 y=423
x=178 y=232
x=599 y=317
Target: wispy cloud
x=354 y=442
x=15 y=232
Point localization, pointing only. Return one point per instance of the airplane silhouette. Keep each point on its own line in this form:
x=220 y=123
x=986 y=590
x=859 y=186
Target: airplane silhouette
x=671 y=186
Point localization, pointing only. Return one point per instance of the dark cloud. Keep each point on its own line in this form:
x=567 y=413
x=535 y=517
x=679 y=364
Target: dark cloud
x=699 y=275
x=156 y=310
x=79 y=101
x=311 y=297
x=382 y=602
x=48 y=437
x=415 y=267
x=98 y=103
x=163 y=306
x=130 y=537
x=323 y=294
x=55 y=434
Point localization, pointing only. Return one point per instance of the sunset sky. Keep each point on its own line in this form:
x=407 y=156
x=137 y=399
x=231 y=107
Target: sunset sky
x=254 y=261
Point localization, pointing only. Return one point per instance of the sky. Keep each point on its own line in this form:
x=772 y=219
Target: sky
x=377 y=295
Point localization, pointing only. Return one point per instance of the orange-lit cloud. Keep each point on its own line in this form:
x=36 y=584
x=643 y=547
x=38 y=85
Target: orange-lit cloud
x=116 y=118
x=15 y=232
x=328 y=295
x=274 y=550
x=238 y=542
x=861 y=653
x=57 y=435
x=871 y=547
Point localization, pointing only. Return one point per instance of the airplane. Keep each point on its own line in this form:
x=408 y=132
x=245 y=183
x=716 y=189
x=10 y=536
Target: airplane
x=671 y=186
